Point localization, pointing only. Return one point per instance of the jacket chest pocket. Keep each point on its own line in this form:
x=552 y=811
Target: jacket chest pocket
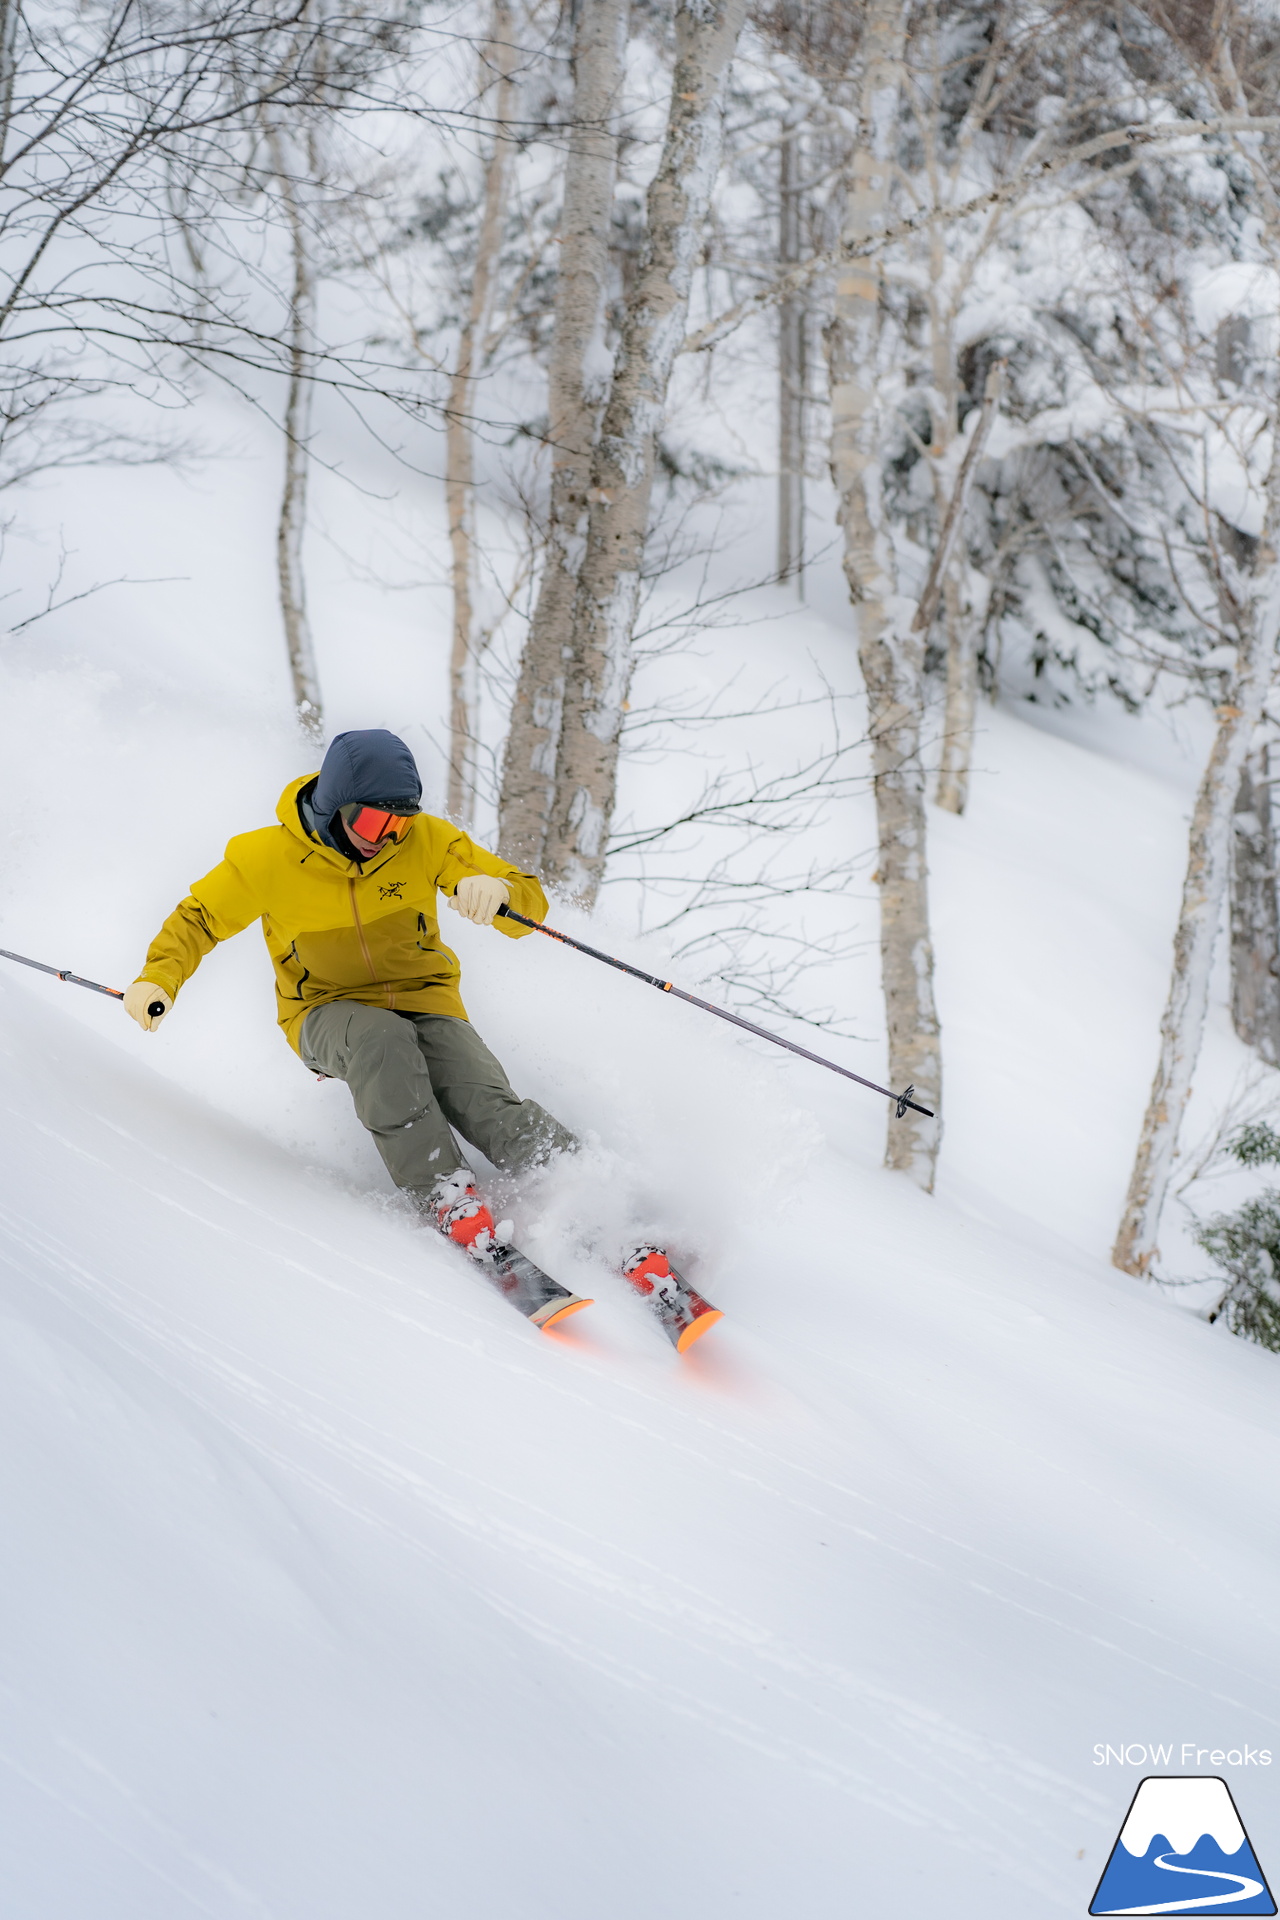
x=403 y=947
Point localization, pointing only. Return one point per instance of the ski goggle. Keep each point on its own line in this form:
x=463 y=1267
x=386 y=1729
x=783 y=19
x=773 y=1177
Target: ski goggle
x=372 y=824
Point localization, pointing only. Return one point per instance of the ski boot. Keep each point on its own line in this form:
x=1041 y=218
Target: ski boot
x=684 y=1313
x=457 y=1211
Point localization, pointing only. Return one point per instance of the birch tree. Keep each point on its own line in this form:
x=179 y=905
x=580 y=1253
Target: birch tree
x=962 y=659
x=1252 y=599
x=1255 y=910
x=9 y=11
x=293 y=165
x=961 y=70
x=576 y=384
x=1203 y=894
x=496 y=67
x=792 y=370
x=1255 y=922
x=601 y=659
x=891 y=655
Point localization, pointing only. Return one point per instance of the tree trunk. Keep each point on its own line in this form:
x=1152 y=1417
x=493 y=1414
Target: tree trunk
x=1209 y=855
x=601 y=662
x=574 y=400
x=792 y=373
x=1255 y=922
x=962 y=651
x=497 y=60
x=10 y=14
x=962 y=699
x=291 y=526
x=1203 y=894
x=890 y=652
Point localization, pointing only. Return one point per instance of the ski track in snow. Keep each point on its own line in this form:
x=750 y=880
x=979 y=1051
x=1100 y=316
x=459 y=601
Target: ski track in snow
x=656 y=1634
x=382 y=1465
x=333 y=1593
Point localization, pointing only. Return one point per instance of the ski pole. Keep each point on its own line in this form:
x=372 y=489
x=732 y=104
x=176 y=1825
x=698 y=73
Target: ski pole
x=901 y=1100
x=155 y=1009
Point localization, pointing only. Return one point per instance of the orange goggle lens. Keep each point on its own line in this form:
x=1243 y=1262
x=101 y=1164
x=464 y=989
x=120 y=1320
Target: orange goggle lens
x=370 y=824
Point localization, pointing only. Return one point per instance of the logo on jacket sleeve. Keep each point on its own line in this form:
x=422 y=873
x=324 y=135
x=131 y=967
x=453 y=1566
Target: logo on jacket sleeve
x=1183 y=1850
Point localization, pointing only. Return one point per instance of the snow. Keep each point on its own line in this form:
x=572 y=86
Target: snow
x=336 y=1585
x=333 y=1591
x=336 y=1592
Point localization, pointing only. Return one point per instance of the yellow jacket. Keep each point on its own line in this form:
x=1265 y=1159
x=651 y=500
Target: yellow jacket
x=337 y=929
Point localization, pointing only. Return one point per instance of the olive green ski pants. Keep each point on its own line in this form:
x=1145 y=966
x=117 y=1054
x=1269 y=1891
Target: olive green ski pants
x=416 y=1076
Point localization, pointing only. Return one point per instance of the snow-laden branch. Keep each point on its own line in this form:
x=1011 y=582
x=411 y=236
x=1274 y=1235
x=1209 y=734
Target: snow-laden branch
x=1028 y=175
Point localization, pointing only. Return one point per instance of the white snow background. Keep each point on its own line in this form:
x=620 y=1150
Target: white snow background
x=331 y=1591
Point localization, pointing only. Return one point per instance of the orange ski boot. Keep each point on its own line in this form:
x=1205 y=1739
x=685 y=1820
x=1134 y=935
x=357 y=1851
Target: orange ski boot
x=684 y=1313
x=459 y=1213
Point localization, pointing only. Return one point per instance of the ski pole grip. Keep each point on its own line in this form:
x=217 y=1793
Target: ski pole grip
x=156 y=1010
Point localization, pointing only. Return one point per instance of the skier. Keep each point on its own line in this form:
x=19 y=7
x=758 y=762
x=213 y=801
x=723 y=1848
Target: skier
x=345 y=887
x=366 y=992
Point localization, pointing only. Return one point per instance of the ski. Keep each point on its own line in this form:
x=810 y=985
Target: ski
x=542 y=1300
x=684 y=1314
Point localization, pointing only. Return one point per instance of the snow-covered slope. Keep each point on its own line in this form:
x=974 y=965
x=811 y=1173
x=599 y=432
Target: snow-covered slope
x=332 y=1591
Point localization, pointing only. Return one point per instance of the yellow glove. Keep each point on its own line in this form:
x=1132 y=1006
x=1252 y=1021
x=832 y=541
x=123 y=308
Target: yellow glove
x=140 y=998
x=478 y=897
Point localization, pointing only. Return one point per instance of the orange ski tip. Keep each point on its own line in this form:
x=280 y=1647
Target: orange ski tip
x=562 y=1313
x=696 y=1328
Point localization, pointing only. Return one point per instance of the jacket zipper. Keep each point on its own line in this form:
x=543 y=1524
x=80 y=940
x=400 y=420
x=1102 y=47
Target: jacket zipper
x=364 y=944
